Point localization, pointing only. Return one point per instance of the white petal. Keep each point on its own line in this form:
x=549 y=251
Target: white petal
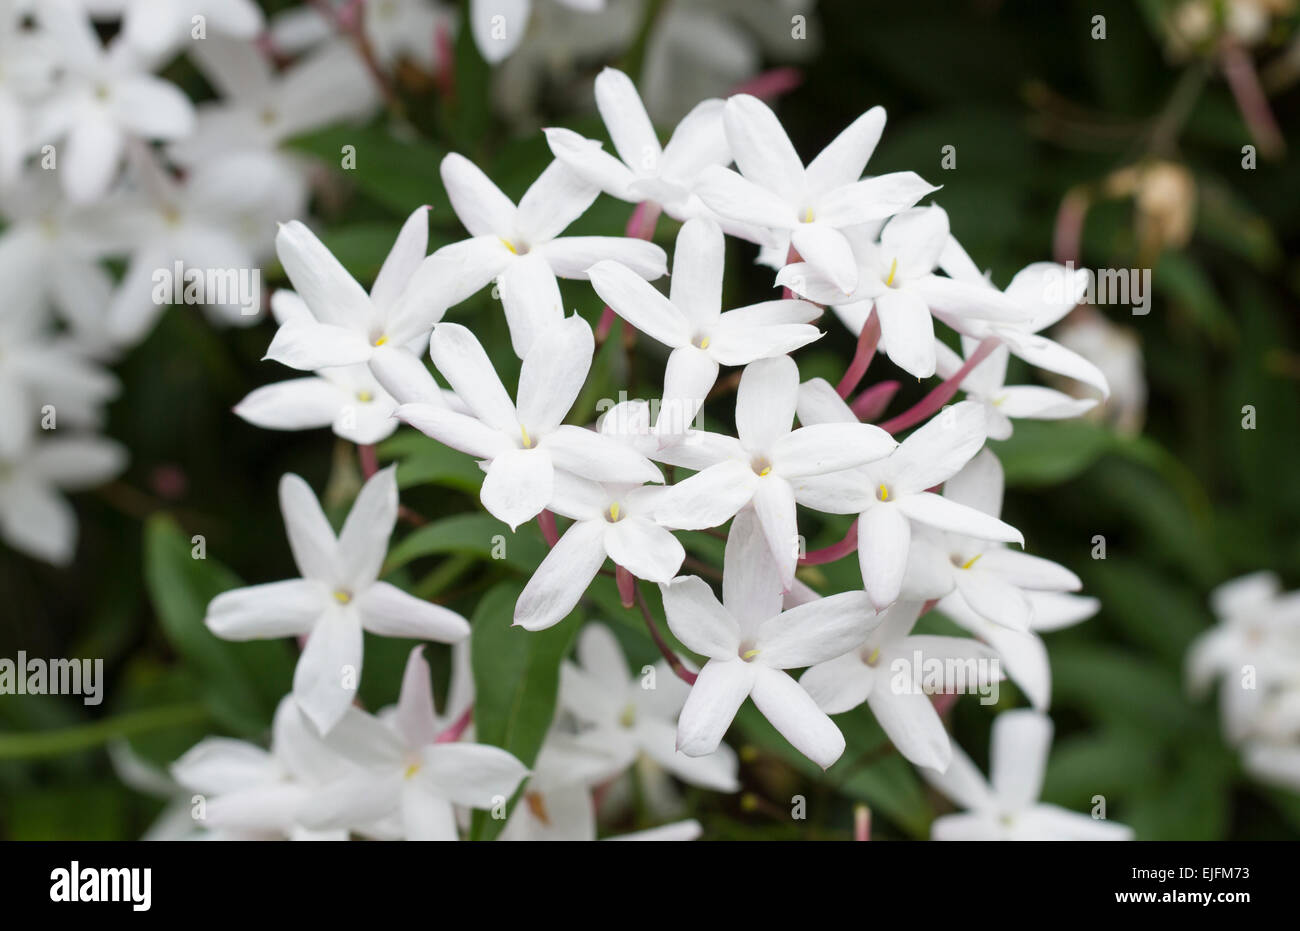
x=1018 y=756
x=363 y=542
x=598 y=457
x=830 y=447
x=276 y=609
x=296 y=404
x=839 y=684
x=473 y=775
x=912 y=725
x=645 y=549
x=518 y=485
x=321 y=281
x=793 y=712
x=390 y=612
x=329 y=668
x=563 y=576
x=884 y=536
x=403 y=260
x=587 y=158
x=553 y=373
x=843 y=161
x=712 y=705
x=308 y=346
x=480 y=205
x=775 y=506
x=816 y=632
x=765 y=402
x=698 y=258
x=819 y=403
x=459 y=356
x=640 y=304
x=310 y=537
x=937 y=450
x=707 y=498
x=907 y=332
x=1025 y=571
x=751 y=584
x=425 y=815
x=740 y=199
x=689 y=376
x=625 y=117
x=825 y=248
x=458 y=431
x=571 y=256
x=557 y=198
x=989 y=595
x=945 y=514
x=872 y=199
x=415 y=718
x=698 y=620
x=762 y=150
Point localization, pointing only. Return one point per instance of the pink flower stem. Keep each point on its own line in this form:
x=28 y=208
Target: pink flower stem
x=369 y=461
x=836 y=550
x=861 y=823
x=942 y=393
x=1239 y=71
x=1067 y=237
x=626 y=586
x=546 y=521
x=871 y=403
x=640 y=225
x=674 y=662
x=868 y=340
x=349 y=21
x=457 y=728
x=770 y=84
x=446 y=54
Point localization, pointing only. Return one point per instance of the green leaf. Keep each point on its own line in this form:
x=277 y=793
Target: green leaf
x=1043 y=452
x=422 y=461
x=516 y=681
x=399 y=174
x=242 y=682
x=474 y=534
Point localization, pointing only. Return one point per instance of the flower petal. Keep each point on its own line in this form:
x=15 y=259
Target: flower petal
x=320 y=279
x=716 y=696
x=640 y=303
x=884 y=537
x=363 y=541
x=276 y=609
x=563 y=576
x=518 y=485
x=1020 y=744
x=329 y=667
x=460 y=358
x=698 y=619
x=390 y=612
x=315 y=551
x=480 y=205
x=793 y=712
x=765 y=402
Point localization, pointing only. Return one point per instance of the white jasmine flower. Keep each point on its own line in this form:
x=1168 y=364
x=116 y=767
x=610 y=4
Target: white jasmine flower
x=156 y=27
x=34 y=517
x=408 y=30
x=691 y=323
x=523 y=444
x=498 y=26
x=522 y=246
x=815 y=204
x=765 y=464
x=891 y=494
x=750 y=643
x=1006 y=806
x=405 y=771
x=337 y=597
x=628 y=716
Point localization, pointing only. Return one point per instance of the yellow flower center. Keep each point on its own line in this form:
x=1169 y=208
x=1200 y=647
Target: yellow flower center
x=343 y=596
x=893 y=270
x=527 y=440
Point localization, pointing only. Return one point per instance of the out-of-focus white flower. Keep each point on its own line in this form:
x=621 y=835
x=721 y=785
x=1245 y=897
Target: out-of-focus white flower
x=691 y=323
x=522 y=248
x=1006 y=806
x=628 y=716
x=883 y=670
x=410 y=30
x=404 y=770
x=766 y=463
x=103 y=98
x=157 y=27
x=750 y=643
x=499 y=26
x=814 y=205
x=34 y=517
x=1117 y=353
x=524 y=444
x=337 y=597
x=891 y=495
x=29 y=66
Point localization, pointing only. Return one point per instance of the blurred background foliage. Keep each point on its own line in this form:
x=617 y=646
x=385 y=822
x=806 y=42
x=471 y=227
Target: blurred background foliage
x=1037 y=110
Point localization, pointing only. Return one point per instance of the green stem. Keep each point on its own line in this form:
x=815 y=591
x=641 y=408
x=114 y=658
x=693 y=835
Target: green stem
x=87 y=736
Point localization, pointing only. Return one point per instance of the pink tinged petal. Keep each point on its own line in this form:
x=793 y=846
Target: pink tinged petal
x=936 y=511
x=824 y=247
x=696 y=285
x=598 y=457
x=625 y=117
x=459 y=356
x=425 y=816
x=775 y=506
x=645 y=549
x=939 y=449
x=830 y=447
x=978 y=485
x=751 y=585
x=557 y=198
x=363 y=541
x=277 y=609
x=571 y=256
x=473 y=775
x=793 y=712
x=917 y=239
x=698 y=619
x=588 y=159
x=329 y=668
x=415 y=718
x=761 y=148
x=816 y=632
x=715 y=698
x=843 y=161
x=518 y=485
x=735 y=198
x=819 y=403
x=563 y=576
x=884 y=537
x=994 y=598
x=640 y=304
x=911 y=724
x=1033 y=572
x=458 y=431
x=94 y=151
x=309 y=346
x=765 y=402
x=1035 y=403
x=907 y=332
x=332 y=294
x=688 y=377
x=872 y=199
x=403 y=260
x=152 y=108
x=707 y=498
x=390 y=612
x=296 y=404
x=553 y=373
x=310 y=537
x=1018 y=756
x=840 y=684
x=962 y=782
x=480 y=205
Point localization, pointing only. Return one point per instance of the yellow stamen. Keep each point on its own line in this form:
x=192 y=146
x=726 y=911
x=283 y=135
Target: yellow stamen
x=704 y=343
x=511 y=246
x=528 y=441
x=537 y=805
x=381 y=341
x=808 y=215
x=614 y=511
x=874 y=657
x=883 y=493
x=628 y=717
x=411 y=770
x=748 y=654
x=970 y=562
x=342 y=597
x=766 y=469
x=893 y=269
x=365 y=396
